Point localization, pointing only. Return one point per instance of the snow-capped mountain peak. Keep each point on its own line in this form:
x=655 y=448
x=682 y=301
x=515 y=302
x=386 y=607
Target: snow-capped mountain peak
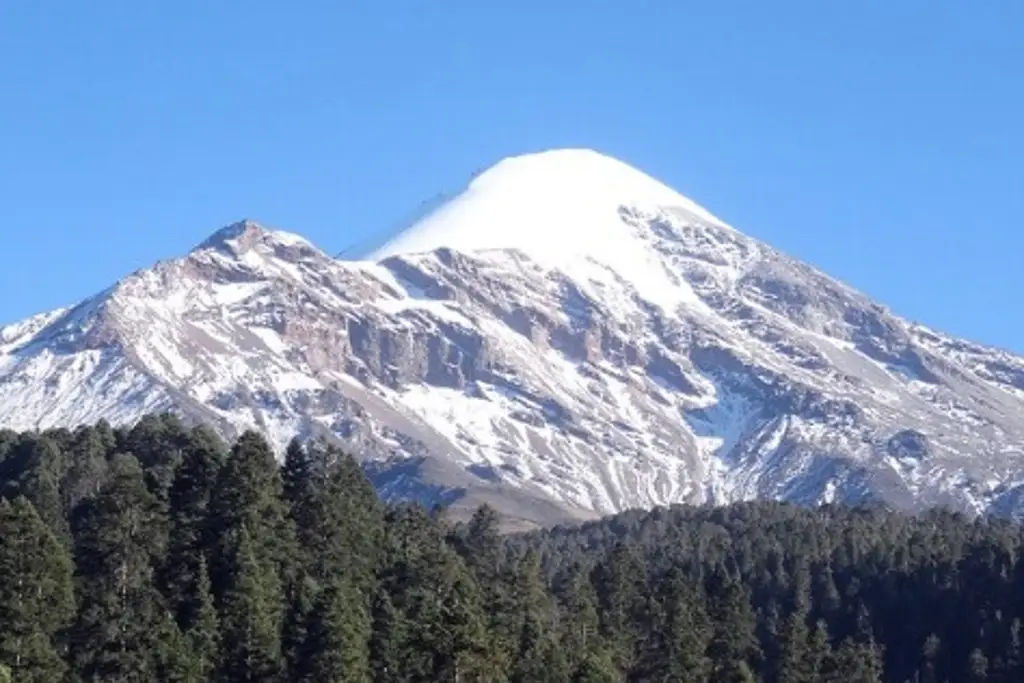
x=549 y=205
x=566 y=337
x=575 y=210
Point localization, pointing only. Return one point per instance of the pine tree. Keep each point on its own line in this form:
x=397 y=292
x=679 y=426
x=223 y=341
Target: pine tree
x=438 y=603
x=597 y=668
x=304 y=491
x=36 y=597
x=447 y=609
x=539 y=658
x=250 y=617
x=797 y=664
x=389 y=640
x=248 y=495
x=339 y=636
x=172 y=663
x=202 y=632
x=190 y=544
x=339 y=528
x=536 y=656
x=855 y=663
x=106 y=436
x=675 y=651
x=297 y=475
x=819 y=651
x=358 y=548
x=481 y=548
x=158 y=442
x=254 y=561
x=301 y=597
x=88 y=465
x=733 y=647
x=117 y=636
x=620 y=582
x=826 y=595
x=339 y=518
x=580 y=627
x=40 y=484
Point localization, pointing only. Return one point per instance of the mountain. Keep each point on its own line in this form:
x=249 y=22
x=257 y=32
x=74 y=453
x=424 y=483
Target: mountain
x=567 y=337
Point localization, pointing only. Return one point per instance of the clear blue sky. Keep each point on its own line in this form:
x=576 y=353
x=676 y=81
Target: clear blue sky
x=881 y=141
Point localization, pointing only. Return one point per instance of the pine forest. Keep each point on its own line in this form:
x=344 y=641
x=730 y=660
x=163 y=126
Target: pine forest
x=161 y=553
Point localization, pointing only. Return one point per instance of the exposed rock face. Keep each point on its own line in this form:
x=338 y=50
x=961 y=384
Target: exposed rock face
x=553 y=385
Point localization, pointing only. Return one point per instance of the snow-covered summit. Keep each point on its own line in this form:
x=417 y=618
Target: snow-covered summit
x=566 y=209
x=550 y=204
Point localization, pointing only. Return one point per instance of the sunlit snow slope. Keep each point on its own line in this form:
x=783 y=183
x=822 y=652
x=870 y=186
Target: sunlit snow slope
x=562 y=208
x=553 y=205
x=567 y=337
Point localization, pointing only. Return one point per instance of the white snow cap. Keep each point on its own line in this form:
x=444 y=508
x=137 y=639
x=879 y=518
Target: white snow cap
x=551 y=205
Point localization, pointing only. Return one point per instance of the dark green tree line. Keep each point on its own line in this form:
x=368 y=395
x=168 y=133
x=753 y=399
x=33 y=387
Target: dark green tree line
x=161 y=553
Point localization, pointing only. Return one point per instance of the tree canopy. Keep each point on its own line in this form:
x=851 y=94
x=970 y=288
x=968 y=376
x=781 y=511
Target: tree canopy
x=160 y=553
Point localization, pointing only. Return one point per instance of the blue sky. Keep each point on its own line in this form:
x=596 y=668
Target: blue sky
x=881 y=141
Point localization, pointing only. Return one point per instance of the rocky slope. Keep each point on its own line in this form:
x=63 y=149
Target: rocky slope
x=566 y=338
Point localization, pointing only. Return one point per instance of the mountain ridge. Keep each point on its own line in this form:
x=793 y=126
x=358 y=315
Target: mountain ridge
x=568 y=335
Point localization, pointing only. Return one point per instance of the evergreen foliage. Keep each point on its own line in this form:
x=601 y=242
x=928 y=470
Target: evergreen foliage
x=36 y=594
x=160 y=553
x=122 y=618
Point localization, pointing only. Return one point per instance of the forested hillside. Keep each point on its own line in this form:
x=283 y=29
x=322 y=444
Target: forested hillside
x=162 y=554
